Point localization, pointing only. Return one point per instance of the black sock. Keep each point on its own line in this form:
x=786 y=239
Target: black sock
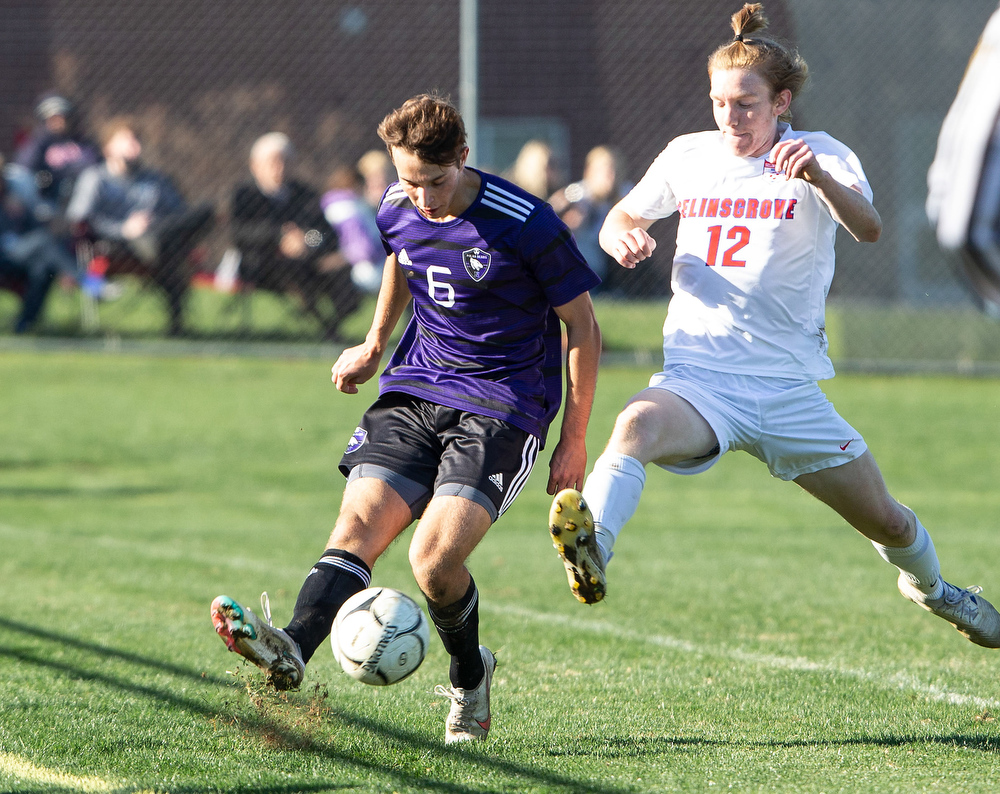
x=458 y=626
x=336 y=577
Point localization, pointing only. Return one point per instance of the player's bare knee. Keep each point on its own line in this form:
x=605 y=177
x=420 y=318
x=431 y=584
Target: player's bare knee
x=633 y=418
x=636 y=431
x=896 y=526
x=431 y=580
x=436 y=593
x=435 y=573
x=423 y=563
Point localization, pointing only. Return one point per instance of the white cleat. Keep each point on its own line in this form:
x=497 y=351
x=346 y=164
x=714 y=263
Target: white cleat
x=469 y=716
x=272 y=650
x=572 y=529
x=970 y=613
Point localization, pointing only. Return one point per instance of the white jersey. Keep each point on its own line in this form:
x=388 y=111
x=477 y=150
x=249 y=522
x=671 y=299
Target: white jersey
x=754 y=258
x=963 y=200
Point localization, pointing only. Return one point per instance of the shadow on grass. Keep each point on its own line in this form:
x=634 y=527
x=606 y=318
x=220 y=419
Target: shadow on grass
x=107 y=652
x=294 y=726
x=283 y=725
x=628 y=747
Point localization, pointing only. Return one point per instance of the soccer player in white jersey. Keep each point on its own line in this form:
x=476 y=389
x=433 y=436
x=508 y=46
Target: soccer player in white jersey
x=744 y=338
x=963 y=200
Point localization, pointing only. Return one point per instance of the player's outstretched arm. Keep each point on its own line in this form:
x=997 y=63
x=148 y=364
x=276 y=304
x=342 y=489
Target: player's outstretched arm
x=358 y=364
x=583 y=354
x=849 y=207
x=625 y=238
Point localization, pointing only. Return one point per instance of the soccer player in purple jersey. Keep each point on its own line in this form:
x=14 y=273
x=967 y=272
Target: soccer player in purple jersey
x=463 y=406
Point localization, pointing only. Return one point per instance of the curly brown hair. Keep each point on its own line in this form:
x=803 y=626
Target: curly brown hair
x=428 y=126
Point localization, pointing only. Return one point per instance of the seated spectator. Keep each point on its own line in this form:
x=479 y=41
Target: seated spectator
x=56 y=152
x=378 y=172
x=136 y=213
x=31 y=257
x=285 y=243
x=354 y=221
x=536 y=169
x=584 y=205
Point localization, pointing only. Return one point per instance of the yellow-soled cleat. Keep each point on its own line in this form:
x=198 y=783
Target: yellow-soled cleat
x=572 y=529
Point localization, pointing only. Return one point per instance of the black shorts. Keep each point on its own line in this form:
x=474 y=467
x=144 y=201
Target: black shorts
x=422 y=449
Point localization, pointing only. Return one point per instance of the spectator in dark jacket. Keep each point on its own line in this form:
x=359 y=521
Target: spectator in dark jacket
x=285 y=243
x=137 y=212
x=30 y=255
x=56 y=152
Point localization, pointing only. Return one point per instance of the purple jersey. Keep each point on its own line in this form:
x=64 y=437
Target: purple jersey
x=483 y=337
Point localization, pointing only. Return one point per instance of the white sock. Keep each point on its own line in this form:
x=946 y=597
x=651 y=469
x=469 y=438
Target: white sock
x=918 y=561
x=612 y=492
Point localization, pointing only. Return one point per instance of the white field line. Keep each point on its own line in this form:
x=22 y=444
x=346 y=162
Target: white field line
x=22 y=770
x=892 y=680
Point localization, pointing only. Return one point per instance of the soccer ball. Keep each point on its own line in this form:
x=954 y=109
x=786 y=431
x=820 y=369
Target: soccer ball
x=380 y=636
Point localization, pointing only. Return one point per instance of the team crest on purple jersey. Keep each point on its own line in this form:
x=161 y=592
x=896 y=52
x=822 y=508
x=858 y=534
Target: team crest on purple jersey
x=477 y=263
x=359 y=438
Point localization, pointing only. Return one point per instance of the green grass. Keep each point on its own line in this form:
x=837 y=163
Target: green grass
x=887 y=337
x=891 y=337
x=750 y=640
x=141 y=314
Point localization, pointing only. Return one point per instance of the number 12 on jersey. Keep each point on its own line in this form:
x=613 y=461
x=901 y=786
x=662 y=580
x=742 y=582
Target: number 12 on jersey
x=741 y=235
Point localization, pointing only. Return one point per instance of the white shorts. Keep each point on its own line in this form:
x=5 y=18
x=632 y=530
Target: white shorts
x=789 y=424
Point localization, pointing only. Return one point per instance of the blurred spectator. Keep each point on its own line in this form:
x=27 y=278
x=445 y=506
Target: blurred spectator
x=963 y=201
x=285 y=243
x=354 y=221
x=535 y=169
x=378 y=172
x=30 y=255
x=584 y=205
x=56 y=151
x=137 y=215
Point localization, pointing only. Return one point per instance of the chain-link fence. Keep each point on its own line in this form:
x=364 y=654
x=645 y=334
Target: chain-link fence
x=202 y=81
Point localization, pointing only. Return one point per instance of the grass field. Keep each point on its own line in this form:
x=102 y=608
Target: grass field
x=750 y=641
x=910 y=338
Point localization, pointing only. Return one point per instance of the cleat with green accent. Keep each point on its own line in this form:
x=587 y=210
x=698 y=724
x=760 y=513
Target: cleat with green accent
x=970 y=613
x=271 y=649
x=469 y=715
x=572 y=529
